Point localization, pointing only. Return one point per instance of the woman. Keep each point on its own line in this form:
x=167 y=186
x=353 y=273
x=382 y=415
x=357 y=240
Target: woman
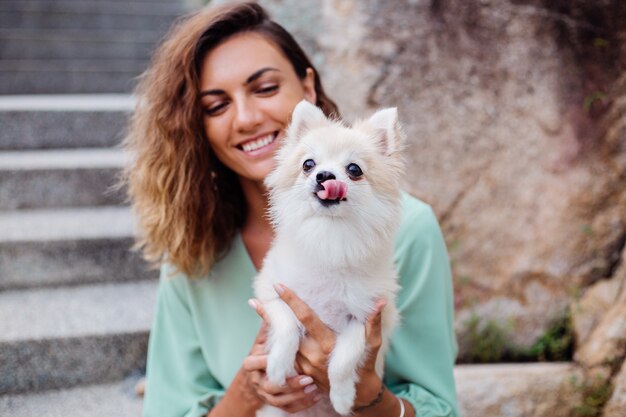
x=212 y=109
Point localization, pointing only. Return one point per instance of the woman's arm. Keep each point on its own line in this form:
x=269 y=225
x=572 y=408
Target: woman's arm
x=178 y=381
x=419 y=365
x=241 y=398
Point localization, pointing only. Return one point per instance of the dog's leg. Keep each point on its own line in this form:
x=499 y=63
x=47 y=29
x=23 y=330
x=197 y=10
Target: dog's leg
x=283 y=341
x=345 y=359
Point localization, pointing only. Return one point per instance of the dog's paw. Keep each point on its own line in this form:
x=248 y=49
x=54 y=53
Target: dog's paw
x=278 y=370
x=342 y=398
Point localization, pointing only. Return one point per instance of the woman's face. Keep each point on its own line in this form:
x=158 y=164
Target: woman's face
x=248 y=91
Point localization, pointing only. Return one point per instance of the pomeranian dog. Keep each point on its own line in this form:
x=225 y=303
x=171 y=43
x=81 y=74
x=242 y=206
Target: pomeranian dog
x=335 y=207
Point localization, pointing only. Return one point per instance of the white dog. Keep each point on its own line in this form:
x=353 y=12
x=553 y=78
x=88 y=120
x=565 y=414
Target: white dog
x=335 y=207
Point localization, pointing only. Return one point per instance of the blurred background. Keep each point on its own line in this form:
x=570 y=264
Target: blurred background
x=516 y=118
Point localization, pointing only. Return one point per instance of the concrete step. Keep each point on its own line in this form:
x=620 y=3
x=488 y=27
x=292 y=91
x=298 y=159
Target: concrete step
x=68 y=247
x=115 y=399
x=69 y=336
x=60 y=178
x=67 y=19
x=119 y=7
x=63 y=121
x=69 y=76
x=32 y=44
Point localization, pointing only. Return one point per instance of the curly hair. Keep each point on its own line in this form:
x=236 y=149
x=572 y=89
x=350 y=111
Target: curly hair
x=189 y=206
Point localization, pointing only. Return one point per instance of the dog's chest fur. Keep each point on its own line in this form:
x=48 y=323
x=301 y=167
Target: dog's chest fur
x=335 y=294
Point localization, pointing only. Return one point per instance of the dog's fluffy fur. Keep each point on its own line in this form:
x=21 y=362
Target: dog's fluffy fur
x=337 y=256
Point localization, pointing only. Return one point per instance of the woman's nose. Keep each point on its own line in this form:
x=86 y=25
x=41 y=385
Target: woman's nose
x=248 y=116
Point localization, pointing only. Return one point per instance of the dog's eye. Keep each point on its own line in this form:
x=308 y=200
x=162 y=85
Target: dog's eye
x=308 y=165
x=354 y=171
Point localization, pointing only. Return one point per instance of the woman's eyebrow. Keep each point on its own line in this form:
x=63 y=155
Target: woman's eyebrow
x=252 y=78
x=258 y=73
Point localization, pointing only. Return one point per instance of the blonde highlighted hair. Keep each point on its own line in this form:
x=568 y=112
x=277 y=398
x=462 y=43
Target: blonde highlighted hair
x=189 y=206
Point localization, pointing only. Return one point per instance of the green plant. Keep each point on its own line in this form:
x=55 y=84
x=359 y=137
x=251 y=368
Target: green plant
x=600 y=42
x=555 y=344
x=586 y=228
x=489 y=341
x=593 y=398
x=592 y=98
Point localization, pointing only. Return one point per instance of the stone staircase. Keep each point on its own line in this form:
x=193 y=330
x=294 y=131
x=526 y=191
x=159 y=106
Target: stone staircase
x=75 y=303
x=76 y=46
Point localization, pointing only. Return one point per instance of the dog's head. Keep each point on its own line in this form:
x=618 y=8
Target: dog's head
x=326 y=170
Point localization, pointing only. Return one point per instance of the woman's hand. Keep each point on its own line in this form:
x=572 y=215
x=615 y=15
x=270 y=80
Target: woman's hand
x=298 y=393
x=316 y=347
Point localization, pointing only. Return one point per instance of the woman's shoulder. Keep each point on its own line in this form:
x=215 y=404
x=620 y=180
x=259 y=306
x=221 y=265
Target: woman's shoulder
x=234 y=262
x=173 y=280
x=418 y=220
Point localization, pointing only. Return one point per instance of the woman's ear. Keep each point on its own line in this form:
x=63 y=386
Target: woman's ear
x=308 y=83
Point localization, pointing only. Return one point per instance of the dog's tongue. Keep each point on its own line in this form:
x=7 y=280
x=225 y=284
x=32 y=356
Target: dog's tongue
x=333 y=190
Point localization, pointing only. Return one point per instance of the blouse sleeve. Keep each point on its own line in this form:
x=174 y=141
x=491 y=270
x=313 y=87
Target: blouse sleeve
x=420 y=362
x=178 y=382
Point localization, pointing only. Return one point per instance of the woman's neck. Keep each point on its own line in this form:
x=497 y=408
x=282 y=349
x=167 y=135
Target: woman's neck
x=255 y=194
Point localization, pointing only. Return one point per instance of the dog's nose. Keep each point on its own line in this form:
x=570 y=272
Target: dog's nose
x=323 y=176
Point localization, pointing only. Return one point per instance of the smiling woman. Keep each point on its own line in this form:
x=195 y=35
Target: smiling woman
x=211 y=113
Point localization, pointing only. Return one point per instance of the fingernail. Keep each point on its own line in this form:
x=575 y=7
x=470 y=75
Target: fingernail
x=279 y=288
x=306 y=380
x=310 y=389
x=252 y=304
x=317 y=397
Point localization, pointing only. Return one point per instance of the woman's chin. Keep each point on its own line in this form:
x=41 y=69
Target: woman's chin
x=258 y=172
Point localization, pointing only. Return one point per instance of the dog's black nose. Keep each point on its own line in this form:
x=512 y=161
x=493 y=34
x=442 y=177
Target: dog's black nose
x=323 y=176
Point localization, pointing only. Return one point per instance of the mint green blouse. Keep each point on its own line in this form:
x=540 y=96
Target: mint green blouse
x=204 y=328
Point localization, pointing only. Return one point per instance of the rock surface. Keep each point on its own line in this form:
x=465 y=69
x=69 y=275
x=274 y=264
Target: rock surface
x=616 y=406
x=602 y=337
x=518 y=390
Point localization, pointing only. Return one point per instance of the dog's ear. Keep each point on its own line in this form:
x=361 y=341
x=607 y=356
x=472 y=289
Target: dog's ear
x=388 y=132
x=305 y=116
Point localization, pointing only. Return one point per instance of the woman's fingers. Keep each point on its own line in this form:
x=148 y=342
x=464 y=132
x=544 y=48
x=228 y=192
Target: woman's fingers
x=255 y=363
x=311 y=322
x=258 y=346
x=261 y=336
x=297 y=394
x=373 y=326
x=373 y=334
x=258 y=307
x=307 y=368
x=293 y=384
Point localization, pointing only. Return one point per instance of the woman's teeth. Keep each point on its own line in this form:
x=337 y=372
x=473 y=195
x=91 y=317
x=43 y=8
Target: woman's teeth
x=258 y=143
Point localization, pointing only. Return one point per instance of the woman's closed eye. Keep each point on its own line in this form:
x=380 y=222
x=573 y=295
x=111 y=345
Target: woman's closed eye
x=267 y=89
x=215 y=108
